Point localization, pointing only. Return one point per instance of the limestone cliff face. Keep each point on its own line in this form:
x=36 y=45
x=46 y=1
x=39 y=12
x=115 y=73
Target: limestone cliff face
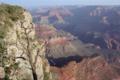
x=23 y=55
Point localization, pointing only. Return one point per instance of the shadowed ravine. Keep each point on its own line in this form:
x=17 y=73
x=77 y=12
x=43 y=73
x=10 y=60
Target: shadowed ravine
x=60 y=62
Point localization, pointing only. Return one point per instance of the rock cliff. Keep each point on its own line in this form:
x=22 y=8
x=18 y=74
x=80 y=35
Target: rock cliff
x=21 y=55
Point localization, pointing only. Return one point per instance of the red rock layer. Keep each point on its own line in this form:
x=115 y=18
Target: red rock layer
x=88 y=69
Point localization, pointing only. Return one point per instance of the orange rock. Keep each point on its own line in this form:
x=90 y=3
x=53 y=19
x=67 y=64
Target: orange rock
x=89 y=69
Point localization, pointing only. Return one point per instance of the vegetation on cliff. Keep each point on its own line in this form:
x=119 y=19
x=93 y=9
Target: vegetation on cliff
x=21 y=55
x=8 y=15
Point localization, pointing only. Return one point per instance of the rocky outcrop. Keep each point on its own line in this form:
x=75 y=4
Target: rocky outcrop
x=62 y=44
x=88 y=69
x=23 y=56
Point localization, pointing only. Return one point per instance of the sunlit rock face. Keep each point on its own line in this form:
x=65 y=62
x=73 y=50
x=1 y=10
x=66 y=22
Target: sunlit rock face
x=2 y=73
x=16 y=46
x=24 y=55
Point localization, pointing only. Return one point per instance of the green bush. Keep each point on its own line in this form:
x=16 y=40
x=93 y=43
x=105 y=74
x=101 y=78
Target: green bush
x=11 y=12
x=8 y=15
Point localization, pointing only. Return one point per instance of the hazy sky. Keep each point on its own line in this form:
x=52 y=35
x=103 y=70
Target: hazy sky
x=29 y=3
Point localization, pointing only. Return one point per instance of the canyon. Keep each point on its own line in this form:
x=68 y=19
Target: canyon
x=60 y=43
x=83 y=43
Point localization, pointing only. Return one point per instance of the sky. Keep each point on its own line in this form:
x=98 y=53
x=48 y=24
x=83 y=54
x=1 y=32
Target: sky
x=35 y=3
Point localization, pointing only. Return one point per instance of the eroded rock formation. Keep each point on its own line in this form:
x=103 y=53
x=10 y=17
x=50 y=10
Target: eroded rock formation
x=23 y=56
x=88 y=69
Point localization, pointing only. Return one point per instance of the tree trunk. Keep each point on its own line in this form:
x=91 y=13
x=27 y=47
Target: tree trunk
x=34 y=74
